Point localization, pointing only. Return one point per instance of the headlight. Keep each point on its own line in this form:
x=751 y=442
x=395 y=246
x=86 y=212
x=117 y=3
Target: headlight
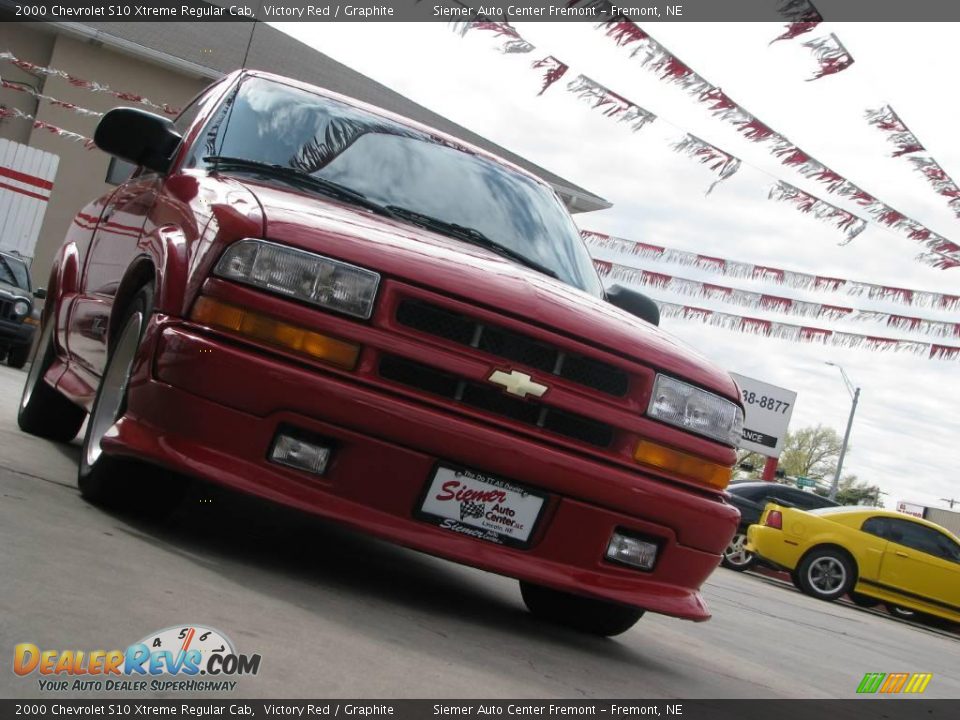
x=312 y=278
x=21 y=308
x=688 y=407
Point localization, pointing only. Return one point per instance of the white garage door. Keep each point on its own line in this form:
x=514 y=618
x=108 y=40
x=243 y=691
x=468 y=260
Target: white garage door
x=26 y=181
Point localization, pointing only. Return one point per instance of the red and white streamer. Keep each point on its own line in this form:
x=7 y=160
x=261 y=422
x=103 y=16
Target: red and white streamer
x=90 y=85
x=722 y=163
x=939 y=252
x=887 y=121
x=610 y=103
x=42 y=125
x=510 y=40
x=773 y=303
x=552 y=69
x=655 y=57
x=52 y=100
x=802 y=17
x=805 y=334
x=830 y=53
x=780 y=276
x=848 y=223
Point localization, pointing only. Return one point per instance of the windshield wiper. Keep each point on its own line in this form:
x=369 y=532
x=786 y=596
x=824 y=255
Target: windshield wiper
x=284 y=172
x=471 y=235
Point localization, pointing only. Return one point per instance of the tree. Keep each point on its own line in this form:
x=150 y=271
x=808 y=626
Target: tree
x=813 y=452
x=851 y=491
x=750 y=459
x=809 y=452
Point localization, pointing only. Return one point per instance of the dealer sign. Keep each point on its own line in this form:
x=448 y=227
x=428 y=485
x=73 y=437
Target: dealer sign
x=767 y=410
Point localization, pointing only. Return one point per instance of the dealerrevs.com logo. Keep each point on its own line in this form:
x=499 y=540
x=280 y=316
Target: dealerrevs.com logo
x=183 y=658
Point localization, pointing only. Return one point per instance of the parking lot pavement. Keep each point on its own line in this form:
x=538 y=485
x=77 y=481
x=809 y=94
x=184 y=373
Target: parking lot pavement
x=336 y=614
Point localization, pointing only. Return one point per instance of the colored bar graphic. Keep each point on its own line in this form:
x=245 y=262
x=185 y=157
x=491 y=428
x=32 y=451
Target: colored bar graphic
x=894 y=683
x=918 y=683
x=871 y=682
x=890 y=683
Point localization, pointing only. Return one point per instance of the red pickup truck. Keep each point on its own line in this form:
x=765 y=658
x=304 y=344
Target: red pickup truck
x=329 y=306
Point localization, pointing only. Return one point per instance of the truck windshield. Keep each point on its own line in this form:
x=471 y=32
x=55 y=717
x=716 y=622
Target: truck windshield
x=400 y=166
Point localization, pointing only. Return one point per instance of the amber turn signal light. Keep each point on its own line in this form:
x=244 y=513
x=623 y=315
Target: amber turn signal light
x=681 y=463
x=214 y=313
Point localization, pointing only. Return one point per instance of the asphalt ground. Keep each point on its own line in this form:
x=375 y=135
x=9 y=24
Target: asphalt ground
x=336 y=614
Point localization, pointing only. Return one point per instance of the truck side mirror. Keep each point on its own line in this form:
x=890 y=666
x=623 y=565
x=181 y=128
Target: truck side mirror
x=40 y=293
x=634 y=303
x=139 y=137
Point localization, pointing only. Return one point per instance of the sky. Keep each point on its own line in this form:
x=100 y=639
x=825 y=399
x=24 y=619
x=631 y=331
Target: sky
x=906 y=432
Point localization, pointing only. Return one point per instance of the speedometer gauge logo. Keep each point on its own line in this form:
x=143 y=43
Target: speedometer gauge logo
x=177 y=638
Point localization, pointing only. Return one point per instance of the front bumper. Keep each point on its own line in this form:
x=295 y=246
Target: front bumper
x=15 y=333
x=211 y=408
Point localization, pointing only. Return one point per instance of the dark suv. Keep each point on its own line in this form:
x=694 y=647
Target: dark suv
x=750 y=499
x=17 y=319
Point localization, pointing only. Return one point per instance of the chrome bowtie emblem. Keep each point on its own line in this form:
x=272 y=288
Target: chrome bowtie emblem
x=517 y=383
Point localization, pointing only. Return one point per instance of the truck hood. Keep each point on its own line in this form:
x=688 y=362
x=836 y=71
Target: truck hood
x=8 y=290
x=478 y=276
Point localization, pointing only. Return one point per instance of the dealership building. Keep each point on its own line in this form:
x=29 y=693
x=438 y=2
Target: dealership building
x=167 y=63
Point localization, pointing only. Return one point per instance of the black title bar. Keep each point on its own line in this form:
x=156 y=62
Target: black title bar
x=472 y=709
x=465 y=10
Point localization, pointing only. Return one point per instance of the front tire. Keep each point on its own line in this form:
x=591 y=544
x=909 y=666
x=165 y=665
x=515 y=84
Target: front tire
x=121 y=482
x=826 y=574
x=735 y=557
x=596 y=617
x=43 y=411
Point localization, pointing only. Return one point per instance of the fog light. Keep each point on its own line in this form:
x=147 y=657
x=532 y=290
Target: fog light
x=298 y=453
x=631 y=551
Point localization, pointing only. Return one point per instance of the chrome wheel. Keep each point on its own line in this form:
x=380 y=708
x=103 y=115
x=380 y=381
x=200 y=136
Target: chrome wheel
x=122 y=482
x=826 y=575
x=37 y=366
x=113 y=388
x=736 y=557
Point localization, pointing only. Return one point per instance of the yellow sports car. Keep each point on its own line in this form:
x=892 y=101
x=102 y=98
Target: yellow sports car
x=870 y=553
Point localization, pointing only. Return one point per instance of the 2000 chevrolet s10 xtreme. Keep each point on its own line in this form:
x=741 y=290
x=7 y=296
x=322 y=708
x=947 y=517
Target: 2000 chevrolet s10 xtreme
x=325 y=305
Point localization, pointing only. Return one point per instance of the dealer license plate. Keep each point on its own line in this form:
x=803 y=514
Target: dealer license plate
x=482 y=506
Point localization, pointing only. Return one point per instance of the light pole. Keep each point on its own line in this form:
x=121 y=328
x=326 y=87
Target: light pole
x=855 y=394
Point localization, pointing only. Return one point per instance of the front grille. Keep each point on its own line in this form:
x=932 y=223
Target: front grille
x=6 y=309
x=513 y=346
x=493 y=400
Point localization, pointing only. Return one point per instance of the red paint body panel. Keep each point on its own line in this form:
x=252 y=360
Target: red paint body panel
x=178 y=416
x=209 y=403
